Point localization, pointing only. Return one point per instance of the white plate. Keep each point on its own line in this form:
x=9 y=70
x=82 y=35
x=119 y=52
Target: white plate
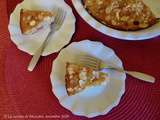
x=95 y=100
x=148 y=33
x=30 y=43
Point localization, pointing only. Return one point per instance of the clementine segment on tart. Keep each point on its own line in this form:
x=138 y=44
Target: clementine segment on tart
x=121 y=14
x=79 y=77
x=32 y=20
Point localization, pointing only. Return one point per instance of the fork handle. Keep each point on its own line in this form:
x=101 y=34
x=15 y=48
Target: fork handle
x=38 y=54
x=35 y=58
x=139 y=75
x=135 y=74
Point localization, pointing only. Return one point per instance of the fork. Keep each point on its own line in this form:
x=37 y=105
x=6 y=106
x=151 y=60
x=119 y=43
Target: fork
x=59 y=19
x=98 y=64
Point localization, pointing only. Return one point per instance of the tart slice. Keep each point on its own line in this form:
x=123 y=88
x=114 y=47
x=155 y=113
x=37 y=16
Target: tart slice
x=79 y=77
x=32 y=20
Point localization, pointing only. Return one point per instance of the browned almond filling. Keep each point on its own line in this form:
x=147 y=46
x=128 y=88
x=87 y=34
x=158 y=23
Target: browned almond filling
x=79 y=77
x=30 y=19
x=121 y=14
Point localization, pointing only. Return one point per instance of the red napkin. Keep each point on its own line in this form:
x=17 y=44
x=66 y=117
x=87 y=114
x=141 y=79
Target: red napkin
x=29 y=95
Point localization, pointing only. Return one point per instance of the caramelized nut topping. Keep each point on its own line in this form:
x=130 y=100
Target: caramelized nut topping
x=120 y=14
x=32 y=23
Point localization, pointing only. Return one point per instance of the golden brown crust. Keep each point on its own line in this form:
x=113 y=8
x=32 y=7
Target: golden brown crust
x=78 y=77
x=30 y=19
x=121 y=14
x=69 y=84
x=21 y=23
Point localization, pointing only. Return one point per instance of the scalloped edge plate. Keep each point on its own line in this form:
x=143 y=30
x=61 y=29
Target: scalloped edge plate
x=57 y=40
x=93 y=101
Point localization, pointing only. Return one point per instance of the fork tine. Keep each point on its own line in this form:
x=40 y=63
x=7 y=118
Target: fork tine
x=63 y=15
x=87 y=64
x=89 y=57
x=59 y=19
x=60 y=16
x=90 y=61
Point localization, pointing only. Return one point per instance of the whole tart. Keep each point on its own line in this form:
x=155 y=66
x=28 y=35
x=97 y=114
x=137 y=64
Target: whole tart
x=121 y=14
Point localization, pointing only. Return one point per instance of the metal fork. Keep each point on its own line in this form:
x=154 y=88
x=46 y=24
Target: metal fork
x=59 y=19
x=98 y=64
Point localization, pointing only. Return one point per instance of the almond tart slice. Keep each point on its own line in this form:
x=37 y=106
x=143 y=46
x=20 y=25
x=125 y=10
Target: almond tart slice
x=32 y=20
x=78 y=78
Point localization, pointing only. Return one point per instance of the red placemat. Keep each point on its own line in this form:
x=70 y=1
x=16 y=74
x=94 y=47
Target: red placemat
x=25 y=94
